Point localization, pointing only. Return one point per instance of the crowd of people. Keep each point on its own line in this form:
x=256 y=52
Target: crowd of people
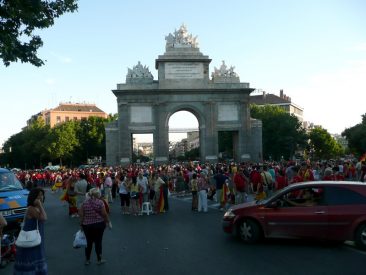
x=90 y=191
x=226 y=183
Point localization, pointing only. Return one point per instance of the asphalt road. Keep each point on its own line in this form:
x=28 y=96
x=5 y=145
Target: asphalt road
x=185 y=242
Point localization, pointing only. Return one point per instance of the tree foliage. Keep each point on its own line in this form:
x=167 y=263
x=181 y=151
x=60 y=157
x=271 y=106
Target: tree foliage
x=70 y=143
x=192 y=154
x=323 y=145
x=18 y=21
x=90 y=133
x=356 y=137
x=225 y=139
x=26 y=148
x=62 y=141
x=282 y=133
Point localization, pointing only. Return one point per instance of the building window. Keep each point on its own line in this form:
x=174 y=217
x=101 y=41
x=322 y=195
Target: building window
x=58 y=119
x=75 y=118
x=67 y=118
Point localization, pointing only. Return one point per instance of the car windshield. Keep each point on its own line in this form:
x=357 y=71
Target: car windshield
x=9 y=182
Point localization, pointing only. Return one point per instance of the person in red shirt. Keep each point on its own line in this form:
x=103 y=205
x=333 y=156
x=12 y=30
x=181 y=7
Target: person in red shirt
x=328 y=174
x=240 y=183
x=352 y=171
x=256 y=184
x=337 y=174
x=281 y=181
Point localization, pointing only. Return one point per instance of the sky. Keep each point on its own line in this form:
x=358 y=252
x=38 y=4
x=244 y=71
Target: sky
x=314 y=50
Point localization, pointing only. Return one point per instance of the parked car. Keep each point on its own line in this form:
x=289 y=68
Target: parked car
x=318 y=210
x=53 y=167
x=13 y=199
x=85 y=166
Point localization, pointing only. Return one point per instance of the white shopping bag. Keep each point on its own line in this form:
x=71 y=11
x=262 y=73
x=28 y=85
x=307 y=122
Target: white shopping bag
x=80 y=240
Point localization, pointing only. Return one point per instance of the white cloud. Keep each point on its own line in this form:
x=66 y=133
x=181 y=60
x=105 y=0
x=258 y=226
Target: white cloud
x=62 y=58
x=50 y=81
x=359 y=47
x=65 y=59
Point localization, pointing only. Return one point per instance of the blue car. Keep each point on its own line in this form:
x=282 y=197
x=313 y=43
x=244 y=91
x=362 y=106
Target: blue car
x=13 y=198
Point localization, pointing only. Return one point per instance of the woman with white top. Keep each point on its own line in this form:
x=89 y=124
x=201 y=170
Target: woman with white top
x=123 y=190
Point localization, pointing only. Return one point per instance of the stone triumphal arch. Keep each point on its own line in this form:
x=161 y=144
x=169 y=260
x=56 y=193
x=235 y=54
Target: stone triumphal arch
x=220 y=103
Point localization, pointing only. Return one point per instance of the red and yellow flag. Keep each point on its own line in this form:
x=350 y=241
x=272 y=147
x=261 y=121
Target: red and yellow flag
x=225 y=191
x=161 y=201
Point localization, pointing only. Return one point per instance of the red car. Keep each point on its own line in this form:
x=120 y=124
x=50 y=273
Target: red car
x=326 y=210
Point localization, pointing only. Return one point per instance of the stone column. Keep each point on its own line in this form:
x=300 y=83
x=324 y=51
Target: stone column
x=244 y=132
x=111 y=141
x=161 y=134
x=210 y=132
x=125 y=145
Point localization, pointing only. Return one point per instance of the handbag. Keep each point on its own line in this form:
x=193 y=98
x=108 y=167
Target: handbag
x=30 y=238
x=134 y=195
x=80 y=240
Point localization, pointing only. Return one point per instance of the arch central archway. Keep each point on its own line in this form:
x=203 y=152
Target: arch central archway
x=184 y=139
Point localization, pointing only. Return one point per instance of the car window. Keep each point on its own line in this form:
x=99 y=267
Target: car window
x=303 y=197
x=343 y=196
x=8 y=182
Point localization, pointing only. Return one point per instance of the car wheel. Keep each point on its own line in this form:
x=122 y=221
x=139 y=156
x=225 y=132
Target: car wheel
x=249 y=231
x=360 y=237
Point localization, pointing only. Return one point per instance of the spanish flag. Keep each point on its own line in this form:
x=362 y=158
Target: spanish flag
x=225 y=192
x=161 y=201
x=64 y=196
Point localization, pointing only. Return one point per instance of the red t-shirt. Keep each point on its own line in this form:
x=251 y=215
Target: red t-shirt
x=281 y=182
x=239 y=181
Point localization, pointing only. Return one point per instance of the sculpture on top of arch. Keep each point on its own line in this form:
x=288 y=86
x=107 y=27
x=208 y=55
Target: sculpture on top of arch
x=139 y=71
x=181 y=39
x=225 y=74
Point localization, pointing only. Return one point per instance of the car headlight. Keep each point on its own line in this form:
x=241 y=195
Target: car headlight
x=6 y=213
x=229 y=214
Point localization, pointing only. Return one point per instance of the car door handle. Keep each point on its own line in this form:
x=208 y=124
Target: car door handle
x=319 y=212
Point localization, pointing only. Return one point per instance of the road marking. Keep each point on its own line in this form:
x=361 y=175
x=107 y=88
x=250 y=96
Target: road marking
x=350 y=245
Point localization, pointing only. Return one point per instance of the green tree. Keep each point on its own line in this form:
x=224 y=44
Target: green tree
x=91 y=135
x=226 y=143
x=13 y=151
x=356 y=137
x=282 y=133
x=26 y=149
x=62 y=141
x=323 y=145
x=112 y=117
x=193 y=154
x=18 y=21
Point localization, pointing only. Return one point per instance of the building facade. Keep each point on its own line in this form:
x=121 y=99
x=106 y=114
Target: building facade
x=68 y=111
x=283 y=101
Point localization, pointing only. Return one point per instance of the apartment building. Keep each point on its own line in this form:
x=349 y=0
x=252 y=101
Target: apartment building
x=282 y=101
x=68 y=111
